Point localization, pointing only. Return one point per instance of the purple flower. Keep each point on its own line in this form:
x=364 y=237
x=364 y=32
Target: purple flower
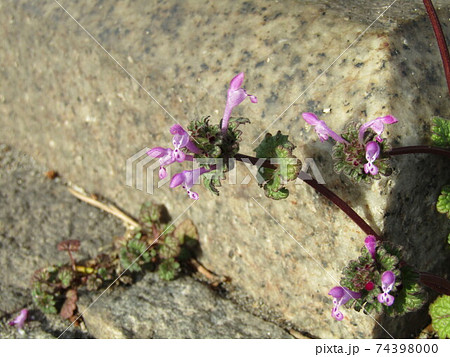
x=181 y=139
x=235 y=96
x=340 y=297
x=169 y=156
x=387 y=283
x=321 y=128
x=377 y=125
x=371 y=244
x=372 y=153
x=188 y=178
x=20 y=320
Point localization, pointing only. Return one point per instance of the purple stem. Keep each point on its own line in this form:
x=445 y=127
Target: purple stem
x=440 y=39
x=327 y=193
x=441 y=285
x=419 y=150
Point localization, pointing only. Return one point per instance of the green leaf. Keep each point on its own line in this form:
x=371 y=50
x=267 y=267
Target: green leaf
x=443 y=203
x=43 y=300
x=150 y=214
x=267 y=147
x=441 y=132
x=410 y=296
x=66 y=276
x=134 y=249
x=168 y=269
x=170 y=248
x=287 y=169
x=211 y=180
x=440 y=316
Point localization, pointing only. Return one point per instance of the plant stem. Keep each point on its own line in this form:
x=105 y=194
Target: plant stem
x=441 y=285
x=419 y=150
x=72 y=260
x=327 y=193
x=343 y=206
x=440 y=39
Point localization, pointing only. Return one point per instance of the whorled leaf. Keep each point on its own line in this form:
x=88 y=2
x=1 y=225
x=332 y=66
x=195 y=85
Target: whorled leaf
x=279 y=149
x=216 y=148
x=409 y=295
x=349 y=159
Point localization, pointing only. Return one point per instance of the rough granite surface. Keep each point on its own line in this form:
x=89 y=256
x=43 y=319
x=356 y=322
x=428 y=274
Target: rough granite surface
x=154 y=308
x=72 y=107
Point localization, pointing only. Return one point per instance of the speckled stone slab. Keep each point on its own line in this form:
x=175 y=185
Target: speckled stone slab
x=69 y=104
x=183 y=308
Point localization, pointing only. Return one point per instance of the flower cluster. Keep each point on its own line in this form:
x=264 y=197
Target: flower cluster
x=186 y=147
x=356 y=151
x=364 y=279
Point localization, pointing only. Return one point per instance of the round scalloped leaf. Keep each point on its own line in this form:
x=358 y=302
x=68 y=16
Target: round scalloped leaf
x=168 y=269
x=274 y=180
x=441 y=132
x=440 y=316
x=443 y=203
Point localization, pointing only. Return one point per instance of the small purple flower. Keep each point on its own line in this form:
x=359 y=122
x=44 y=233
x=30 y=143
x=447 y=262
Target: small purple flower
x=20 y=320
x=181 y=139
x=372 y=153
x=387 y=283
x=235 y=96
x=169 y=156
x=371 y=244
x=341 y=296
x=187 y=179
x=321 y=128
x=377 y=125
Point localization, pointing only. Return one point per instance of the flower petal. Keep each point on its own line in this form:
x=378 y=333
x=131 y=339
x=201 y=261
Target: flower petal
x=389 y=119
x=177 y=180
x=387 y=281
x=158 y=152
x=237 y=81
x=371 y=243
x=162 y=173
x=310 y=118
x=372 y=151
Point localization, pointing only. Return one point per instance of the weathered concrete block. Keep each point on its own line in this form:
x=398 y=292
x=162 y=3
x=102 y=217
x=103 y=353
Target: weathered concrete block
x=65 y=101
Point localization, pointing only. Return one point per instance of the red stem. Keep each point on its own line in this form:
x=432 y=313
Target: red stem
x=440 y=39
x=441 y=285
x=327 y=193
x=72 y=260
x=343 y=206
x=419 y=150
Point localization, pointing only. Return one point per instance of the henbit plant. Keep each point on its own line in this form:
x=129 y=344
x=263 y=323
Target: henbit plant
x=154 y=246
x=379 y=280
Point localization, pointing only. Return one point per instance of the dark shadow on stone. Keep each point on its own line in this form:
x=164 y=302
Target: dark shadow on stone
x=341 y=185
x=411 y=213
